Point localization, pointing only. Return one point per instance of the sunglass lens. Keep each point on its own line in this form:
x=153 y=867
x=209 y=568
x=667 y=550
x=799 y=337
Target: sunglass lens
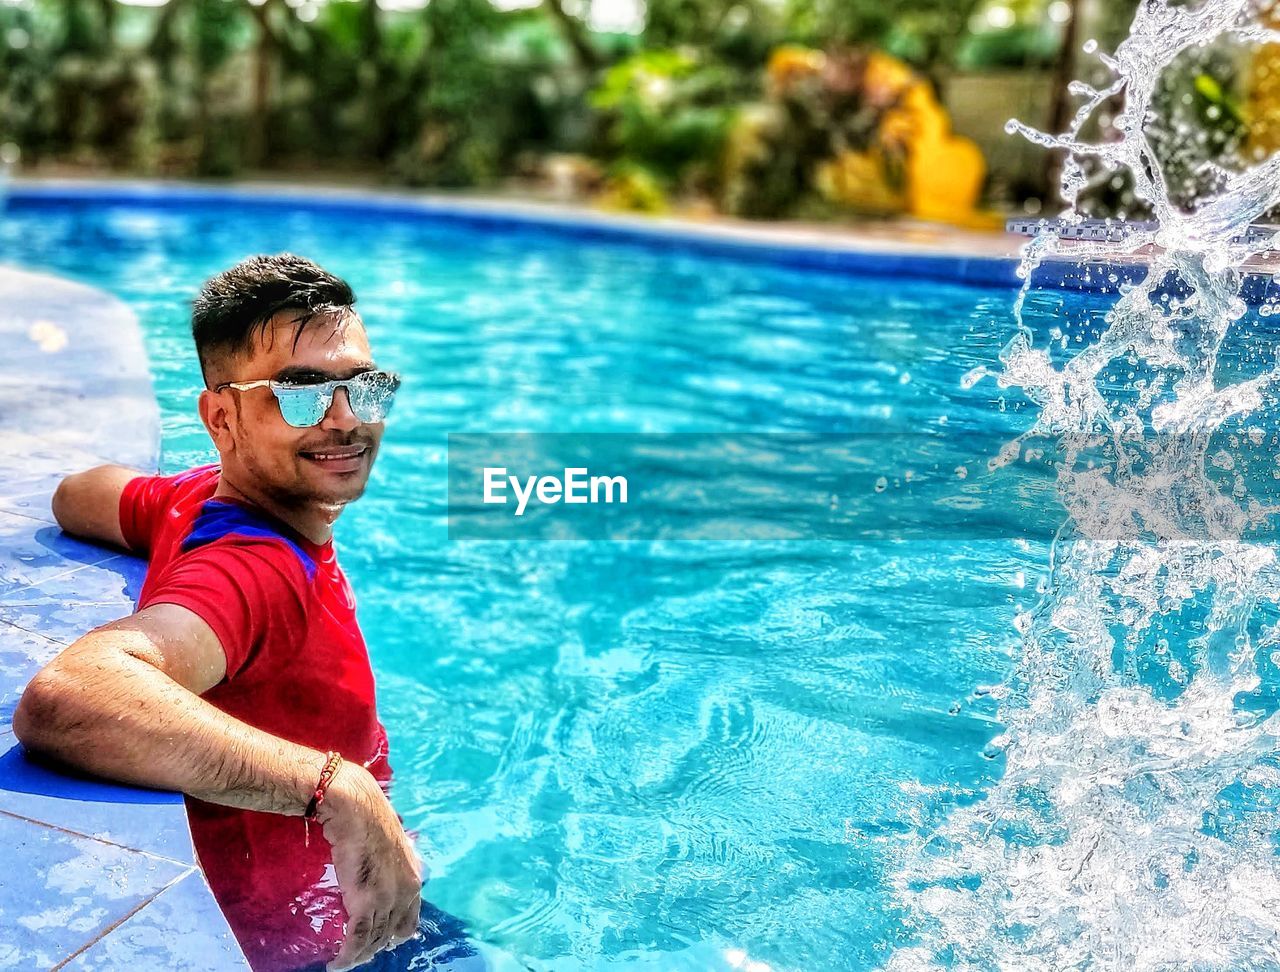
x=372 y=395
x=303 y=407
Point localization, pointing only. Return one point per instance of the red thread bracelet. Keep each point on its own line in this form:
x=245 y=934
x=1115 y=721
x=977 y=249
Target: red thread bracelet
x=332 y=761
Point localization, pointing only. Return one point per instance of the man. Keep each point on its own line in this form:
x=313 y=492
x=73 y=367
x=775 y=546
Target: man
x=243 y=671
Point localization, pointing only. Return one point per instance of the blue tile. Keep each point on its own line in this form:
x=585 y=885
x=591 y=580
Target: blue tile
x=81 y=418
x=154 y=821
x=65 y=606
x=33 y=505
x=181 y=930
x=32 y=551
x=72 y=889
x=32 y=477
x=34 y=465
x=22 y=654
x=89 y=859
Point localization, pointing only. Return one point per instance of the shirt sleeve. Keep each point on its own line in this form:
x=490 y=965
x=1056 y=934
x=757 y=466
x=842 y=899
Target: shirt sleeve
x=143 y=501
x=251 y=594
x=146 y=500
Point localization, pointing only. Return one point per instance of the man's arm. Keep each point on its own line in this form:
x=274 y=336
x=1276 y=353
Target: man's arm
x=87 y=503
x=124 y=702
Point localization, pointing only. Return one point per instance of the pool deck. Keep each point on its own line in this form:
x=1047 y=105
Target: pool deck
x=108 y=874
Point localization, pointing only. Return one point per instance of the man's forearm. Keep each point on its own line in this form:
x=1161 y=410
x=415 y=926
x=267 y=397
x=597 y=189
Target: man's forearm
x=104 y=710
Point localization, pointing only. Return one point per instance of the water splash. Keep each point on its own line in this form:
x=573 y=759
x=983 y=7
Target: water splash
x=1134 y=825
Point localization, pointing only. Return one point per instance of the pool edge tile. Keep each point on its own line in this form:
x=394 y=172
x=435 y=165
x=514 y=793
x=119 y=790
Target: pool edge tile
x=141 y=936
x=96 y=383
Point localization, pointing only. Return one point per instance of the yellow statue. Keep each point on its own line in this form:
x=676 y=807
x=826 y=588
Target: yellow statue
x=943 y=172
x=1263 y=107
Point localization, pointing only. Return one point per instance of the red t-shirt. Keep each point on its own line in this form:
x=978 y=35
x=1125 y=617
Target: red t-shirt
x=297 y=667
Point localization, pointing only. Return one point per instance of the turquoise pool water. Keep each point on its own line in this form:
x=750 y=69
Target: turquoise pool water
x=632 y=753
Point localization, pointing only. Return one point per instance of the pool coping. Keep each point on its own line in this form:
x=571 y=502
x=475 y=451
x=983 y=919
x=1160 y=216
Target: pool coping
x=109 y=873
x=901 y=247
x=904 y=248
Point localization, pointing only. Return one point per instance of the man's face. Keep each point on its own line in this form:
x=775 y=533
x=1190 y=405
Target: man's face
x=327 y=464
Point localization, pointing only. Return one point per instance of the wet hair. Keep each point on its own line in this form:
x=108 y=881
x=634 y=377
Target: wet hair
x=233 y=307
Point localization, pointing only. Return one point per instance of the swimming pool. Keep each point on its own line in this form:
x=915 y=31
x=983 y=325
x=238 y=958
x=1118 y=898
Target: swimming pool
x=629 y=753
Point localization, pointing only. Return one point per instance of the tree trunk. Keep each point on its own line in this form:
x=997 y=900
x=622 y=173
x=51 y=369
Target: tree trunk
x=264 y=54
x=374 y=81
x=576 y=34
x=1062 y=111
x=107 y=15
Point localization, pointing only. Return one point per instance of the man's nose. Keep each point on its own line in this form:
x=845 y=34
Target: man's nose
x=340 y=417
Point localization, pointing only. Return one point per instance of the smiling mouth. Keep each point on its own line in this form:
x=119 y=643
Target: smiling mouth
x=344 y=459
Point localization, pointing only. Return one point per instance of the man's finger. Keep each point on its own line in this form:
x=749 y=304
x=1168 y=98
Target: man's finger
x=354 y=944
x=405 y=924
x=381 y=936
x=415 y=908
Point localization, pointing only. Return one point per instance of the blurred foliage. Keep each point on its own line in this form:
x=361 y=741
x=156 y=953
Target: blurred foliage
x=667 y=112
x=817 y=107
x=694 y=107
x=1199 y=122
x=1198 y=131
x=1021 y=46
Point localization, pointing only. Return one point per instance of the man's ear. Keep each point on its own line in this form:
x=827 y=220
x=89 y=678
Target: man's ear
x=218 y=420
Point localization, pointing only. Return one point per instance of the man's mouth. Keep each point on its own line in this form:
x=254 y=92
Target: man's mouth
x=338 y=459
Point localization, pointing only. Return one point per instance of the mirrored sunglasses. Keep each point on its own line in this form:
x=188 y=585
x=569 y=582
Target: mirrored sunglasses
x=303 y=405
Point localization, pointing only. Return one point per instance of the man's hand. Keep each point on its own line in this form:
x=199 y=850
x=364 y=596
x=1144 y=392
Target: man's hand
x=378 y=870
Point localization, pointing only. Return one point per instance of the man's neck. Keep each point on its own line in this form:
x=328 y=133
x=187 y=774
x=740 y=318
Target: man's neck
x=313 y=521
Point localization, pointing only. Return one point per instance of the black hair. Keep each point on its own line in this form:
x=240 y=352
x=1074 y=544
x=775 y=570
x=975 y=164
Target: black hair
x=234 y=306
